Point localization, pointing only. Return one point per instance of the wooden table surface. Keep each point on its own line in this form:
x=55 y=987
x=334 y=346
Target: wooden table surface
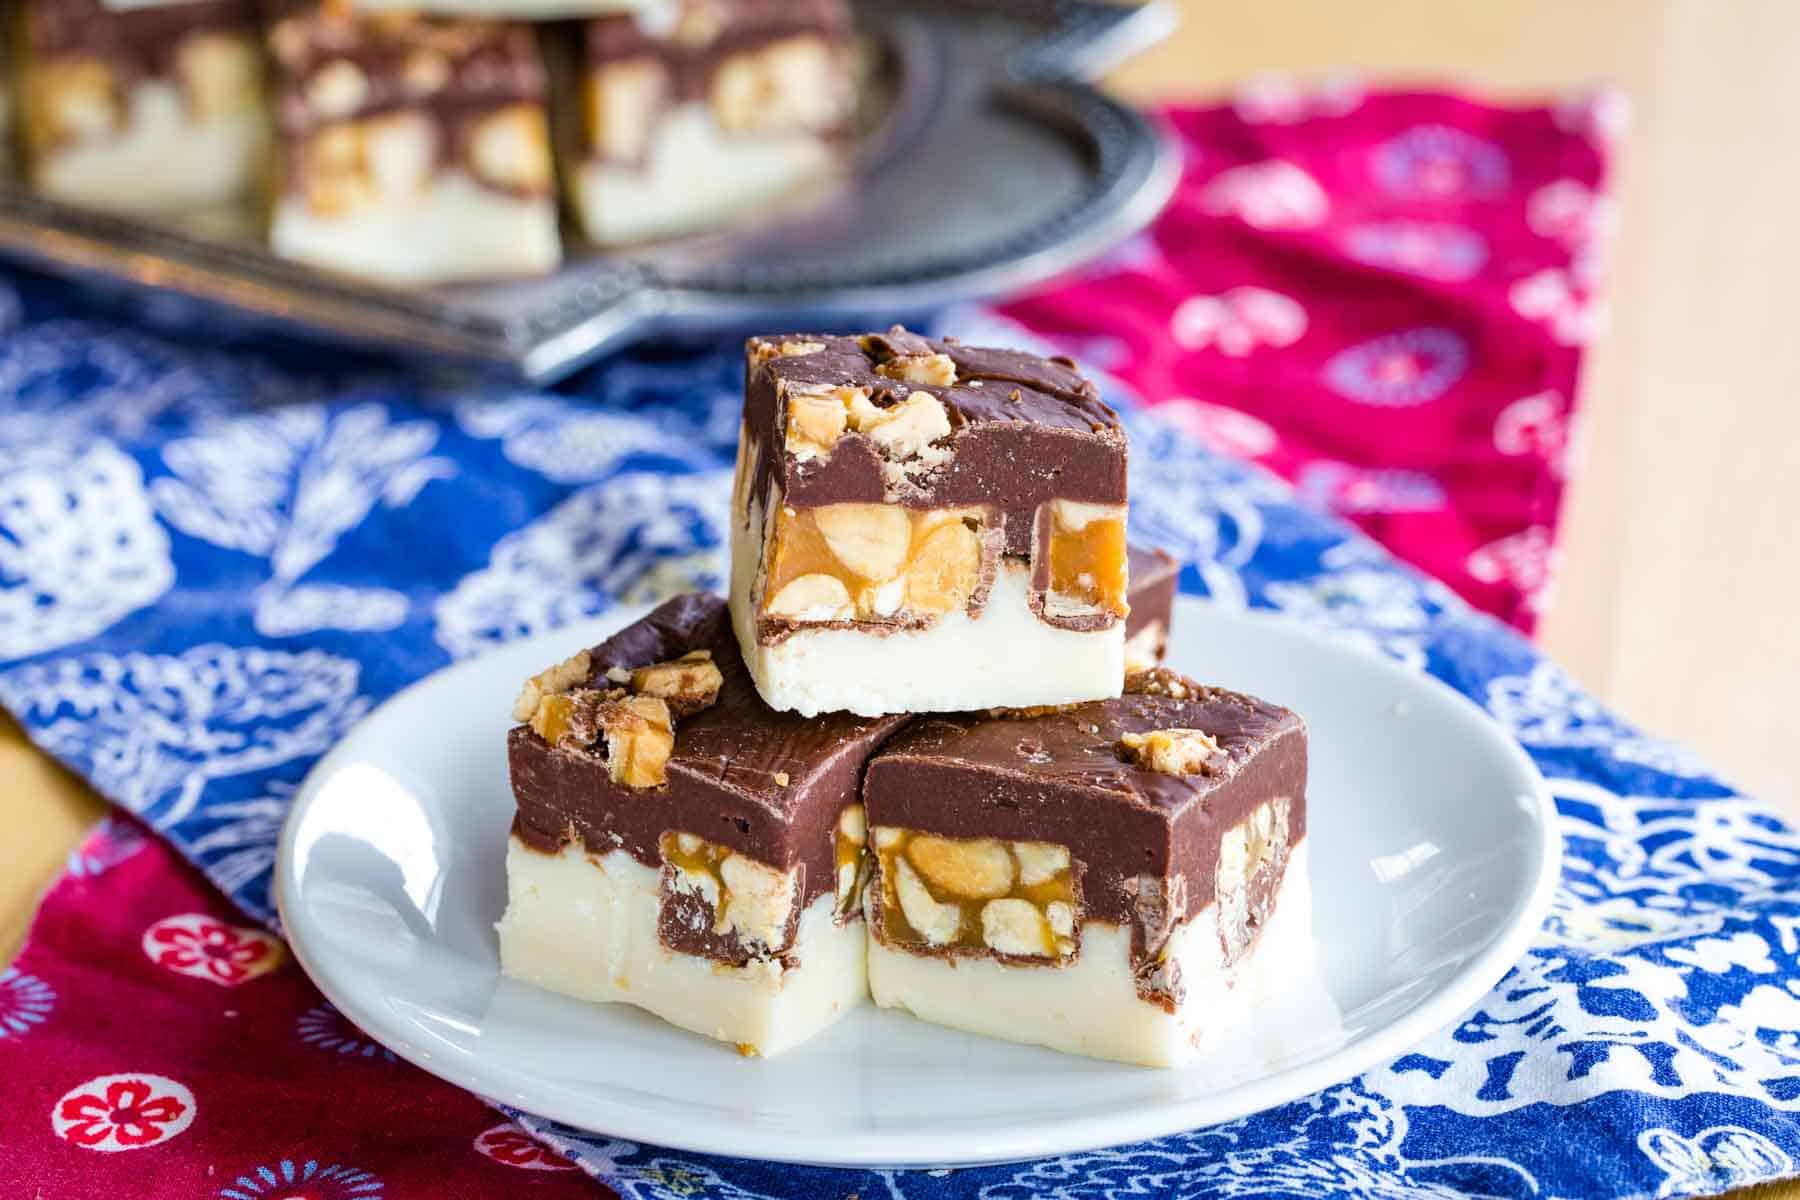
x=1676 y=599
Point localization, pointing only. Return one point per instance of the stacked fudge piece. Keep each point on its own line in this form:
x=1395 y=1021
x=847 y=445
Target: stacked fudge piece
x=412 y=148
x=696 y=113
x=142 y=106
x=933 y=780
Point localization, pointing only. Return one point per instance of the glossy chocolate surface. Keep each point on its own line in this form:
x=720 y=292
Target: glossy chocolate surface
x=769 y=785
x=1060 y=777
x=1024 y=431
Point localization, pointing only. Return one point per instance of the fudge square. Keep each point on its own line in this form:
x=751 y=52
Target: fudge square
x=1153 y=579
x=681 y=847
x=695 y=114
x=926 y=526
x=412 y=149
x=1119 y=879
x=141 y=107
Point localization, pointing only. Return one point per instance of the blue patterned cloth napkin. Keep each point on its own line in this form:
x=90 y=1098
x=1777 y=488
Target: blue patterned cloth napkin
x=216 y=555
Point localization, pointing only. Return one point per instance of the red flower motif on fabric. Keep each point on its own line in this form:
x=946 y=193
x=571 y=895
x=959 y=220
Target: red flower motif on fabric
x=1535 y=424
x=123 y=1112
x=207 y=948
x=1238 y=321
x=1219 y=428
x=1274 y=194
x=1526 y=560
x=1570 y=212
x=513 y=1146
x=1562 y=301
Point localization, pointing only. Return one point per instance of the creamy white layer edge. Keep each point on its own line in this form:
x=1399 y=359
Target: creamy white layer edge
x=586 y=927
x=1006 y=657
x=454 y=229
x=694 y=178
x=1143 y=648
x=1092 y=1006
x=162 y=157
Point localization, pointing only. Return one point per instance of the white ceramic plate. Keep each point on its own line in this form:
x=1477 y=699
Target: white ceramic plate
x=1433 y=858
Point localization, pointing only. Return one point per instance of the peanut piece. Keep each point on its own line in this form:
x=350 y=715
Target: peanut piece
x=221 y=72
x=758 y=900
x=934 y=369
x=870 y=539
x=640 y=736
x=1076 y=515
x=548 y=682
x=623 y=100
x=1161 y=681
x=1169 y=751
x=510 y=148
x=401 y=150
x=338 y=89
x=883 y=599
x=425 y=72
x=77 y=100
x=977 y=868
x=1015 y=927
x=815 y=423
x=937 y=923
x=1040 y=862
x=905 y=430
x=689 y=684
x=944 y=571
x=812 y=598
x=1061 y=916
x=853 y=823
x=887 y=837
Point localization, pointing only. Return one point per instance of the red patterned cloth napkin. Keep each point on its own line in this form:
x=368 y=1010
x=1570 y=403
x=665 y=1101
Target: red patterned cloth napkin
x=145 y=1015
x=1383 y=297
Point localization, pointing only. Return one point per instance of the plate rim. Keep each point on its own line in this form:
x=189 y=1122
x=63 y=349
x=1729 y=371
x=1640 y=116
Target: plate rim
x=1062 y=1135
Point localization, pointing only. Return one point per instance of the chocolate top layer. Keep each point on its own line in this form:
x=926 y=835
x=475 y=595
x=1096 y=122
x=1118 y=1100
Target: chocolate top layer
x=1153 y=576
x=767 y=784
x=702 y=32
x=447 y=66
x=136 y=41
x=1024 y=430
x=1059 y=777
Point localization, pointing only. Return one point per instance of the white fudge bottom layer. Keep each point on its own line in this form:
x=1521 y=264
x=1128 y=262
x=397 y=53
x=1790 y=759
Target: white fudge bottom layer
x=453 y=229
x=586 y=927
x=161 y=158
x=1004 y=658
x=695 y=177
x=1092 y=1005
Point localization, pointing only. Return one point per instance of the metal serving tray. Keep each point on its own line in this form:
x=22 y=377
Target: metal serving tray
x=987 y=164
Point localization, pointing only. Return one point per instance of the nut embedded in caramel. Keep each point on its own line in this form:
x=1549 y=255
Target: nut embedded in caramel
x=870 y=539
x=944 y=570
x=973 y=894
x=976 y=869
